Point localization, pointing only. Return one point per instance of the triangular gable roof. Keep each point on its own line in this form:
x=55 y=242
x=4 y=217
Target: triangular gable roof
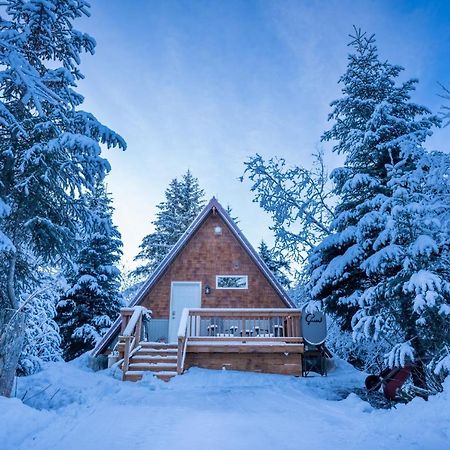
x=176 y=249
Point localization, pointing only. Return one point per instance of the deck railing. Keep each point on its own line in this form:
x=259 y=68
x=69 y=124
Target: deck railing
x=130 y=333
x=235 y=325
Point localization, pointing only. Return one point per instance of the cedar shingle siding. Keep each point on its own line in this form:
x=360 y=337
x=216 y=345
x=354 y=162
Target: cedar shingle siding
x=205 y=256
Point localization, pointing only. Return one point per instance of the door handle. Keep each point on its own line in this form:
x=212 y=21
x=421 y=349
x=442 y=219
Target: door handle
x=173 y=314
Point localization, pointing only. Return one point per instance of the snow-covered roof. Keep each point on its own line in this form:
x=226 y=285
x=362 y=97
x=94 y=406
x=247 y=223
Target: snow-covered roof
x=169 y=258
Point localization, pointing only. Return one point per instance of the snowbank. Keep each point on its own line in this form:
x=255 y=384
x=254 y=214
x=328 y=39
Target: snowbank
x=67 y=406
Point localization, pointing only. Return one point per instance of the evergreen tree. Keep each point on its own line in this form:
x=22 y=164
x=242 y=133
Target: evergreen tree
x=93 y=299
x=381 y=132
x=49 y=148
x=183 y=201
x=278 y=265
x=409 y=302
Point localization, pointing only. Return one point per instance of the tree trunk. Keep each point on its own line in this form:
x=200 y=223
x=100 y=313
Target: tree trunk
x=10 y=282
x=418 y=373
x=12 y=333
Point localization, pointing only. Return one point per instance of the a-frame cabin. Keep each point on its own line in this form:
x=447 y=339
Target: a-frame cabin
x=214 y=303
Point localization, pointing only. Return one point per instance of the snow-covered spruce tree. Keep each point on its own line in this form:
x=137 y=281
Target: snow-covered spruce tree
x=93 y=299
x=357 y=271
x=49 y=151
x=277 y=264
x=411 y=262
x=183 y=201
x=49 y=148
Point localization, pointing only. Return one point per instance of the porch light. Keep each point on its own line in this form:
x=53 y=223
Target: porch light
x=207 y=289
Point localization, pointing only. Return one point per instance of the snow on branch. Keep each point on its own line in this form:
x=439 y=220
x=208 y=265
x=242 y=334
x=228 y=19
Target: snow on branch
x=445 y=109
x=297 y=200
x=443 y=365
x=400 y=355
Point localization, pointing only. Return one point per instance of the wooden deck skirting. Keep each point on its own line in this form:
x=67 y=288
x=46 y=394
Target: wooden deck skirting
x=279 y=363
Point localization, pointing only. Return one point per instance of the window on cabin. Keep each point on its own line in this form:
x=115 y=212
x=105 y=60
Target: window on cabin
x=232 y=282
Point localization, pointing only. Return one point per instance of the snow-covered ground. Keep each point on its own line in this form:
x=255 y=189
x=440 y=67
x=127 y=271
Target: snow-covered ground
x=68 y=407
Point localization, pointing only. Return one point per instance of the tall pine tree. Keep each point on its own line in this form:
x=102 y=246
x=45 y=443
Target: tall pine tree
x=93 y=299
x=49 y=151
x=184 y=200
x=49 y=148
x=409 y=302
x=376 y=126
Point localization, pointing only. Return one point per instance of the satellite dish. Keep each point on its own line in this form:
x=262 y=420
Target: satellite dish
x=314 y=326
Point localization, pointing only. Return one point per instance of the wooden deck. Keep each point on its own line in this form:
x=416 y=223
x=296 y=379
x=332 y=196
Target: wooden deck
x=255 y=340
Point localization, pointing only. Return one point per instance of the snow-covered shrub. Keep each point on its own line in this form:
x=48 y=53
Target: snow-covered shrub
x=366 y=355
x=42 y=339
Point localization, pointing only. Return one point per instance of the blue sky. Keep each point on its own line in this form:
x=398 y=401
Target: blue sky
x=204 y=84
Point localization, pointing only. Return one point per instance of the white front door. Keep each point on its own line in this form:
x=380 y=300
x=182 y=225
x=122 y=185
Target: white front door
x=184 y=294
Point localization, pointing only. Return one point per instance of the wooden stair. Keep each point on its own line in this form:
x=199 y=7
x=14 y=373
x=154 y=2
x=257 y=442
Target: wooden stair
x=156 y=357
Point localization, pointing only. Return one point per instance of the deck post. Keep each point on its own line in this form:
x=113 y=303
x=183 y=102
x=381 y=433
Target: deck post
x=180 y=354
x=126 y=352
x=138 y=330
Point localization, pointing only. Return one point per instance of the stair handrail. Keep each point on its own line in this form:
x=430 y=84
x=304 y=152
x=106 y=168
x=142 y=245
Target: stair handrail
x=130 y=336
x=182 y=340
